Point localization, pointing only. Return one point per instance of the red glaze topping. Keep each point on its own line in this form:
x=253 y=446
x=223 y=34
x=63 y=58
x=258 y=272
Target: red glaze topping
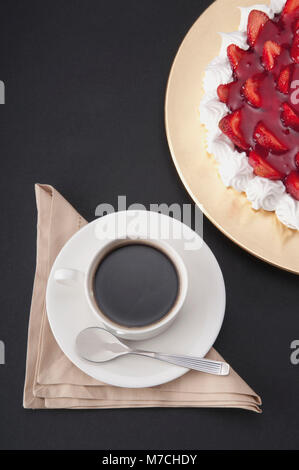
x=263 y=98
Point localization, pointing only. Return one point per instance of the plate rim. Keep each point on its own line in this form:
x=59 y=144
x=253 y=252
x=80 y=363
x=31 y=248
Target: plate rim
x=170 y=376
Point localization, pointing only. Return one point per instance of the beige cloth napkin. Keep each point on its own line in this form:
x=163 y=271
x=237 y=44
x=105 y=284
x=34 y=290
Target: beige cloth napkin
x=52 y=381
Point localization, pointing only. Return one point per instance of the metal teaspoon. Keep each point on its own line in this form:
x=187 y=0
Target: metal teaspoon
x=98 y=345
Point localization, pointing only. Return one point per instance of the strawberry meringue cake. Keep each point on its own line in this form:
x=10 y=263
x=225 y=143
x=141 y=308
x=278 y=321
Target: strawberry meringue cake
x=251 y=108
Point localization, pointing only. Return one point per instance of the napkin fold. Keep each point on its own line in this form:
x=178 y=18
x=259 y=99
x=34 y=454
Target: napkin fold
x=52 y=381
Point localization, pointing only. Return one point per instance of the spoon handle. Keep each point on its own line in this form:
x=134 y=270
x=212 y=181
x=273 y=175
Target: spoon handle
x=190 y=362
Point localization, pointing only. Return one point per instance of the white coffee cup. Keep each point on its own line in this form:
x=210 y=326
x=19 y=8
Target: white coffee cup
x=68 y=276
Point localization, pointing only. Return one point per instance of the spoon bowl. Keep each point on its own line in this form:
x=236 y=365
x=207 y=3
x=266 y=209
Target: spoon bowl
x=98 y=345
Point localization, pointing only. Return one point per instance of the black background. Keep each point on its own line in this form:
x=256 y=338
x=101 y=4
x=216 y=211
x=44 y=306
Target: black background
x=85 y=85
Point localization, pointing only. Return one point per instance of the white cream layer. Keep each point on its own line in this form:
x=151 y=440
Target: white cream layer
x=234 y=168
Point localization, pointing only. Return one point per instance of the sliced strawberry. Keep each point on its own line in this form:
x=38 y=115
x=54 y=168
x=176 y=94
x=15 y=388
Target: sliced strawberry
x=292 y=184
x=256 y=21
x=251 y=90
x=263 y=168
x=290 y=7
x=230 y=126
x=235 y=54
x=267 y=139
x=296 y=27
x=290 y=117
x=284 y=79
x=270 y=52
x=295 y=49
x=223 y=92
x=297 y=159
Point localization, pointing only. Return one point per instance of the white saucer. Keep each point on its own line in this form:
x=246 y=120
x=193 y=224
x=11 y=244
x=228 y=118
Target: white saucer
x=193 y=332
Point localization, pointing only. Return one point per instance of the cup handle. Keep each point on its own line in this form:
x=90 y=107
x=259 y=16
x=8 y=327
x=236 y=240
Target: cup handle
x=68 y=276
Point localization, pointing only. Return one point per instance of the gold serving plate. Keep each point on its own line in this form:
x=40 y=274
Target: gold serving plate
x=258 y=232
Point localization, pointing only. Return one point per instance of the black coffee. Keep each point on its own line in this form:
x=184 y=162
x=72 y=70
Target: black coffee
x=136 y=285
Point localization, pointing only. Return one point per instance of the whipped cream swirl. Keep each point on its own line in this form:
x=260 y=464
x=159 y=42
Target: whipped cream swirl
x=234 y=168
x=264 y=193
